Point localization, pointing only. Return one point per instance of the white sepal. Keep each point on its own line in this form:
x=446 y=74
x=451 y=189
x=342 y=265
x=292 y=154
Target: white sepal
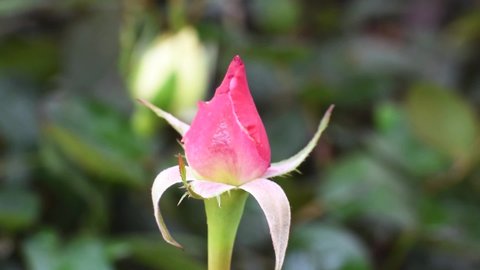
x=276 y=207
x=291 y=164
x=177 y=124
x=162 y=182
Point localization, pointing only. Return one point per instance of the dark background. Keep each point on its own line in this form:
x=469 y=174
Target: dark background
x=393 y=184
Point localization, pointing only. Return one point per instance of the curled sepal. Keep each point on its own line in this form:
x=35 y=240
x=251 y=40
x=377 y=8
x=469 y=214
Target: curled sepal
x=183 y=175
x=290 y=164
x=162 y=182
x=177 y=124
x=276 y=207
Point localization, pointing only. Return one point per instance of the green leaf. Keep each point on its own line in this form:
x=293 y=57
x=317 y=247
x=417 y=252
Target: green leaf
x=280 y=19
x=38 y=58
x=443 y=120
x=9 y=7
x=151 y=251
x=326 y=247
x=358 y=186
x=465 y=29
x=74 y=190
x=94 y=159
x=18 y=124
x=19 y=209
x=450 y=225
x=97 y=140
x=86 y=253
x=41 y=252
x=45 y=252
x=396 y=143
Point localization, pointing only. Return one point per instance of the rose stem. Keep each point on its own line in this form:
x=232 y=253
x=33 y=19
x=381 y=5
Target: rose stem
x=222 y=225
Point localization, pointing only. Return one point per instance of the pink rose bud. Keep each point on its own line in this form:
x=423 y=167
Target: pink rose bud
x=227 y=150
x=227 y=141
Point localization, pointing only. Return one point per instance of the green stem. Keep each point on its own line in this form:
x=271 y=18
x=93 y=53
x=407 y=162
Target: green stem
x=223 y=223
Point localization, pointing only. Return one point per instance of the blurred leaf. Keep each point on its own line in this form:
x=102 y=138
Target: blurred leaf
x=19 y=209
x=443 y=120
x=451 y=224
x=36 y=57
x=362 y=11
x=45 y=252
x=276 y=16
x=86 y=253
x=265 y=80
x=41 y=252
x=91 y=48
x=17 y=168
x=18 y=122
x=338 y=75
x=325 y=247
x=253 y=217
x=97 y=140
x=358 y=186
x=14 y=6
x=155 y=253
x=75 y=191
x=287 y=126
x=396 y=143
x=379 y=57
x=467 y=27
x=283 y=54
x=103 y=162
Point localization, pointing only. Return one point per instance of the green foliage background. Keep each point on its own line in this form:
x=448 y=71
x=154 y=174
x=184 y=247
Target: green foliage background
x=394 y=183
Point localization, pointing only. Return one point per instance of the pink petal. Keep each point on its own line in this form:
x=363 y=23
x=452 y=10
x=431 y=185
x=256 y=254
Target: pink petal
x=235 y=84
x=162 y=182
x=227 y=141
x=276 y=207
x=290 y=164
x=208 y=189
x=178 y=125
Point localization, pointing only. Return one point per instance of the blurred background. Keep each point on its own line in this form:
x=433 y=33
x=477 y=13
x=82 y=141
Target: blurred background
x=393 y=184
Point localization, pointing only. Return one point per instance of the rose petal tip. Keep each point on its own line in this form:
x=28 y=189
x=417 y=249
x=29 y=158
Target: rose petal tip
x=237 y=59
